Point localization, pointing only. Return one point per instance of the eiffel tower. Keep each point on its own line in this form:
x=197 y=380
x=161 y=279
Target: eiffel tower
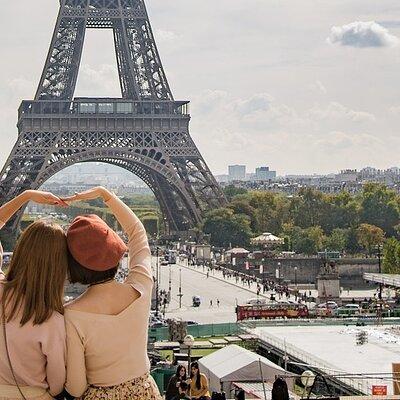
x=146 y=131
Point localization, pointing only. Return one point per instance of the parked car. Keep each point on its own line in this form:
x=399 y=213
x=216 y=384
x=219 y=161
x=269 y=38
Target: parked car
x=332 y=305
x=348 y=309
x=196 y=301
x=257 y=301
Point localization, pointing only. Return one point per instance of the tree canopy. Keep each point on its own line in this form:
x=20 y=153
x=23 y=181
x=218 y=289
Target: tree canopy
x=310 y=221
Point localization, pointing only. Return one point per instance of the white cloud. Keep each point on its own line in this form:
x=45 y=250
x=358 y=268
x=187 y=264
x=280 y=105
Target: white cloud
x=336 y=111
x=260 y=127
x=344 y=141
x=321 y=87
x=362 y=34
x=395 y=110
x=163 y=36
x=99 y=81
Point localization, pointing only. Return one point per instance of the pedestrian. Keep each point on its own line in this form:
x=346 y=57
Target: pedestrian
x=198 y=383
x=174 y=383
x=31 y=300
x=208 y=274
x=211 y=304
x=114 y=362
x=280 y=390
x=218 y=302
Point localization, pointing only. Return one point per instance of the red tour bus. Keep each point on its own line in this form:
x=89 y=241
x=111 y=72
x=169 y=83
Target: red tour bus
x=271 y=311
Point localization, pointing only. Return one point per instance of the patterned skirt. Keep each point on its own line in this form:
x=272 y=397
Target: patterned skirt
x=142 y=388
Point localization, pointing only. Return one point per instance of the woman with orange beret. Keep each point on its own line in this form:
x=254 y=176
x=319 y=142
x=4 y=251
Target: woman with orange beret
x=107 y=325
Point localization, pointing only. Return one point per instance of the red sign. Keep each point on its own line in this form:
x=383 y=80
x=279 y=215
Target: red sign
x=379 y=390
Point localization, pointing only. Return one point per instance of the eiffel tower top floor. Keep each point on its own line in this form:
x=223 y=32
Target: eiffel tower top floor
x=109 y=4
x=85 y=106
x=95 y=10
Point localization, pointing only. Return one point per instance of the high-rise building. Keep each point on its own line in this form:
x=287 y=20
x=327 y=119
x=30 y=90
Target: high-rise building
x=264 y=174
x=237 y=172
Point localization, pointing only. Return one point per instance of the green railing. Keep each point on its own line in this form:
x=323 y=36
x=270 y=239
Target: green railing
x=198 y=331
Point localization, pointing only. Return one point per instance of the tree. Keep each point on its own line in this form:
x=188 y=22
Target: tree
x=240 y=205
x=337 y=241
x=380 y=207
x=391 y=253
x=231 y=191
x=269 y=211
x=306 y=208
x=226 y=228
x=307 y=241
x=343 y=212
x=369 y=236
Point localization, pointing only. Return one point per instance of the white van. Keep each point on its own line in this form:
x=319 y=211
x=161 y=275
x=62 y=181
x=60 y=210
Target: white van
x=258 y=301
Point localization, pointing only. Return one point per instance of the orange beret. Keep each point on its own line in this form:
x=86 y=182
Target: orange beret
x=93 y=244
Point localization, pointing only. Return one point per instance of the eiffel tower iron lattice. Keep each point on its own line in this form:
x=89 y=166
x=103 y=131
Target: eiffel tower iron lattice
x=145 y=131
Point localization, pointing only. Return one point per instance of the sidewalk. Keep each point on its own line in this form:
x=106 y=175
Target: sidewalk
x=215 y=274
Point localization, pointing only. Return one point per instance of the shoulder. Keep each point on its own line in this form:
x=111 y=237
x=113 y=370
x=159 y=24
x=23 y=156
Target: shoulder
x=55 y=325
x=77 y=304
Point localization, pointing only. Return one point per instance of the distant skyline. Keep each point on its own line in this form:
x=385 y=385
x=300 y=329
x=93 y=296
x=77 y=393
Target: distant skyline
x=303 y=87
x=250 y=170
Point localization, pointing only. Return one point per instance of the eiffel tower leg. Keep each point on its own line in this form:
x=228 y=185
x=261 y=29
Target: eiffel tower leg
x=175 y=209
x=60 y=73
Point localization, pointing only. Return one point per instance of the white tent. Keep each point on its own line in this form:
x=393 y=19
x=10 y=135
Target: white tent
x=267 y=239
x=236 y=364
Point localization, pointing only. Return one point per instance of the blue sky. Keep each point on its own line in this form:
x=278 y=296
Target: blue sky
x=302 y=86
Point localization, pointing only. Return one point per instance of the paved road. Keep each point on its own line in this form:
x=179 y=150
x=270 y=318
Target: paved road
x=195 y=282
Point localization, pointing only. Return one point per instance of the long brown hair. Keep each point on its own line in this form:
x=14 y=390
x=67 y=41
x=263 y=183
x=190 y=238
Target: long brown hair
x=36 y=275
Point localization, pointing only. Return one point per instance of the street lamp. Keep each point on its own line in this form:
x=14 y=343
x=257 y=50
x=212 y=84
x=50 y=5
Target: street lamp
x=380 y=286
x=279 y=272
x=157 y=281
x=189 y=342
x=180 y=288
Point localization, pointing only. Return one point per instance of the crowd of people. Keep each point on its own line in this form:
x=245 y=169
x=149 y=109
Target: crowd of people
x=276 y=290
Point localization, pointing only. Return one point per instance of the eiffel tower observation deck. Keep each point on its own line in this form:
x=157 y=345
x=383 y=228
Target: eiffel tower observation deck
x=146 y=131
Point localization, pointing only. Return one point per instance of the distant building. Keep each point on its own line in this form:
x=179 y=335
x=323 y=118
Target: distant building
x=264 y=174
x=347 y=175
x=237 y=173
x=222 y=178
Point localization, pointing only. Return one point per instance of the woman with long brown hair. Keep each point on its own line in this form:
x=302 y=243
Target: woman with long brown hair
x=107 y=326
x=32 y=334
x=198 y=383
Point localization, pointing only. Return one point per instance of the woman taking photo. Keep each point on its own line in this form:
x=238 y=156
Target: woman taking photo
x=107 y=326
x=198 y=383
x=174 y=382
x=32 y=334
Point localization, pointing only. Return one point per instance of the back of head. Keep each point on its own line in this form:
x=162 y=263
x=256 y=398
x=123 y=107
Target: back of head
x=184 y=387
x=280 y=390
x=36 y=275
x=94 y=250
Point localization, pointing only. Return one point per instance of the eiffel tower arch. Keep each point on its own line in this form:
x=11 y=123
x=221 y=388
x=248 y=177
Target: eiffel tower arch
x=146 y=131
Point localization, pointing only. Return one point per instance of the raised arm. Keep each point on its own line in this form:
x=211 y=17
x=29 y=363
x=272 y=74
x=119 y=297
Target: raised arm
x=7 y=210
x=140 y=275
x=138 y=245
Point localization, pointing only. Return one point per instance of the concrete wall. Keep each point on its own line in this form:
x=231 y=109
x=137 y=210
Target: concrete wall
x=350 y=270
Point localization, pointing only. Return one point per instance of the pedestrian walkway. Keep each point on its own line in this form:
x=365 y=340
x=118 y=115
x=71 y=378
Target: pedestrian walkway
x=218 y=274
